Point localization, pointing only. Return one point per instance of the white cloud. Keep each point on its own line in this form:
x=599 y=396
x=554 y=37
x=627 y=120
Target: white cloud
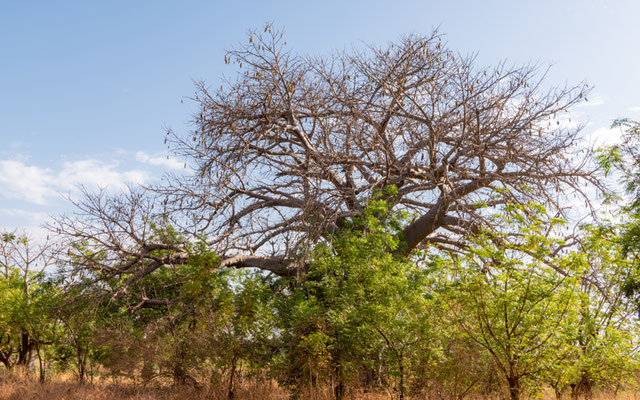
x=27 y=222
x=593 y=100
x=96 y=173
x=159 y=161
x=634 y=109
x=30 y=193
x=37 y=217
x=563 y=121
x=36 y=185
x=604 y=136
x=36 y=233
x=26 y=182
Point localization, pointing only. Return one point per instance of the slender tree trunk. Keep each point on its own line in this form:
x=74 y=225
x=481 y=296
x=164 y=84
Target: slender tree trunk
x=179 y=374
x=147 y=372
x=574 y=392
x=40 y=363
x=5 y=355
x=82 y=360
x=584 y=387
x=81 y=373
x=558 y=392
x=401 y=360
x=230 y=394
x=338 y=390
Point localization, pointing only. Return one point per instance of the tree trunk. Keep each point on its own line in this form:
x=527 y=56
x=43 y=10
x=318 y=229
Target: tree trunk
x=338 y=390
x=584 y=387
x=5 y=355
x=514 y=387
x=81 y=357
x=40 y=363
x=81 y=372
x=179 y=374
x=5 y=358
x=147 y=372
x=401 y=377
x=25 y=350
x=230 y=394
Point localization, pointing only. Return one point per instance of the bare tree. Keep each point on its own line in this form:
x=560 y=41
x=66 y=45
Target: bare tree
x=293 y=146
x=114 y=241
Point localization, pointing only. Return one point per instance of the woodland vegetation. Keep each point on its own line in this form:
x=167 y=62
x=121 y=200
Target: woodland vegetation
x=390 y=221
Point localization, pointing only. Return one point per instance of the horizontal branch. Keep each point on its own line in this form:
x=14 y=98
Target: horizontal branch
x=276 y=265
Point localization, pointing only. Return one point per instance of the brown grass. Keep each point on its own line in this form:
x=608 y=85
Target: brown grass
x=15 y=387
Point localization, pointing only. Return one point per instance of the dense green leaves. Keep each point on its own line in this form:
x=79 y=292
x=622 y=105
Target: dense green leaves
x=507 y=314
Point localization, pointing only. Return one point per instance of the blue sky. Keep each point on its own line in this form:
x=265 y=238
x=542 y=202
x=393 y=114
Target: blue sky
x=87 y=89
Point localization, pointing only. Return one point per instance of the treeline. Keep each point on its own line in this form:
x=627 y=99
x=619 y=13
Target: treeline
x=494 y=320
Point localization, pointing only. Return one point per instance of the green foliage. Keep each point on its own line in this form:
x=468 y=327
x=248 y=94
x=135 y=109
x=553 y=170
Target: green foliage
x=623 y=159
x=357 y=306
x=27 y=301
x=604 y=349
x=505 y=313
x=508 y=298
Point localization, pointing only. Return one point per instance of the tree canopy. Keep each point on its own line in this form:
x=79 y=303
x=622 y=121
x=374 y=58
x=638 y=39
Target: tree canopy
x=289 y=149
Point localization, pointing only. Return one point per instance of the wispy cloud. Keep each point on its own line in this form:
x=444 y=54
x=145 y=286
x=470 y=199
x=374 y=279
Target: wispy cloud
x=593 y=100
x=30 y=192
x=34 y=232
x=36 y=217
x=26 y=182
x=33 y=184
x=29 y=222
x=634 y=109
x=564 y=121
x=99 y=174
x=162 y=161
x=604 y=136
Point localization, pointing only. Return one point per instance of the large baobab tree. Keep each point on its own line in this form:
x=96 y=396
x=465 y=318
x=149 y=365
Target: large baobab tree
x=294 y=145
x=291 y=147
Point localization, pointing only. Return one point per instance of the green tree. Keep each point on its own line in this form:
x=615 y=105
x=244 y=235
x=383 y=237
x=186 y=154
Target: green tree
x=623 y=161
x=358 y=308
x=506 y=297
x=604 y=348
x=26 y=299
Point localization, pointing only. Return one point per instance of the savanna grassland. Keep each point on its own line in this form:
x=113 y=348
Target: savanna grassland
x=393 y=222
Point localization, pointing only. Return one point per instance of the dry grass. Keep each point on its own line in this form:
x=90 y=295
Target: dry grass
x=20 y=388
x=627 y=395
x=608 y=396
x=14 y=387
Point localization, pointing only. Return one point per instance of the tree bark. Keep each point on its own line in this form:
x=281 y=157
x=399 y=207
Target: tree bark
x=514 y=387
x=40 y=363
x=5 y=358
x=25 y=350
x=230 y=393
